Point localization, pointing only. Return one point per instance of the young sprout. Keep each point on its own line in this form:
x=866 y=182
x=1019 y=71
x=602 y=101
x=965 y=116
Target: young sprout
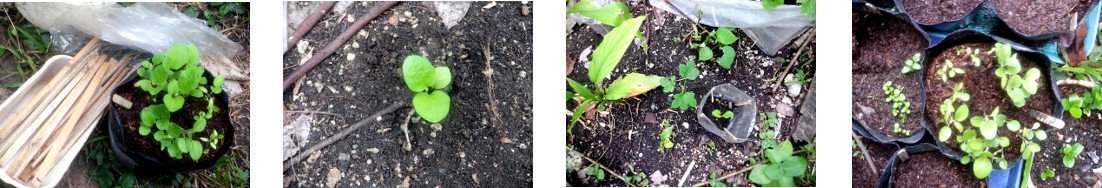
x=912 y=64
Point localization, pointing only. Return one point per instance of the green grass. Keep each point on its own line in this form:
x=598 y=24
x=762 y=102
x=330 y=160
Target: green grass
x=28 y=45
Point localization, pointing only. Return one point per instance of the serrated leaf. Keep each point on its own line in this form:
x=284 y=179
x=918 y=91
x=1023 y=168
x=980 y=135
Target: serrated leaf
x=794 y=166
x=758 y=175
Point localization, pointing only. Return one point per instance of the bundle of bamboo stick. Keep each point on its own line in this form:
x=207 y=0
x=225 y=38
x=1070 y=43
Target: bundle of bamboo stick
x=40 y=127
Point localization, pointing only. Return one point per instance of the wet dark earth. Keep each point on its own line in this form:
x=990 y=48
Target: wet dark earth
x=628 y=134
x=486 y=138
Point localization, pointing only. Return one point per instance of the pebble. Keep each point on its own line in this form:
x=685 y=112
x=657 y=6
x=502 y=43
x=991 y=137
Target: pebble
x=523 y=74
x=437 y=126
x=349 y=89
x=372 y=150
x=333 y=177
x=351 y=56
x=355 y=44
x=302 y=46
x=428 y=152
x=344 y=157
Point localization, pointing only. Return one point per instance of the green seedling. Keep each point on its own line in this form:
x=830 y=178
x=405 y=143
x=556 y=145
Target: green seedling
x=766 y=134
x=711 y=148
x=1078 y=105
x=430 y=102
x=684 y=99
x=900 y=106
x=913 y=64
x=172 y=77
x=1070 y=152
x=605 y=58
x=953 y=115
x=1017 y=86
x=595 y=171
x=664 y=138
x=781 y=169
x=715 y=182
x=800 y=78
x=853 y=146
x=1048 y=173
x=900 y=130
x=724 y=115
x=640 y=177
x=949 y=71
x=981 y=147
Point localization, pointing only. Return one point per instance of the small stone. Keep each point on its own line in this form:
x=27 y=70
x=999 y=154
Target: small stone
x=428 y=152
x=333 y=177
x=523 y=74
x=351 y=56
x=301 y=46
x=437 y=126
x=349 y=89
x=506 y=140
x=344 y=157
x=372 y=150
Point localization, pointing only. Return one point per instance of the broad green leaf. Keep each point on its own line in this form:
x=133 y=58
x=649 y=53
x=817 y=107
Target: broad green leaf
x=716 y=113
x=174 y=152
x=612 y=49
x=1076 y=112
x=758 y=175
x=807 y=8
x=623 y=86
x=173 y=87
x=577 y=114
x=160 y=75
x=945 y=133
x=728 y=57
x=199 y=125
x=580 y=89
x=962 y=112
x=182 y=144
x=988 y=129
x=418 y=73
x=725 y=36
x=178 y=55
x=704 y=53
x=433 y=107
x=613 y=14
x=794 y=166
x=773 y=171
x=981 y=167
x=1013 y=125
x=1069 y=161
x=173 y=103
x=189 y=78
x=196 y=149
x=786 y=182
x=147 y=116
x=443 y=77
x=157 y=59
x=1041 y=135
x=144 y=130
x=1030 y=81
x=668 y=84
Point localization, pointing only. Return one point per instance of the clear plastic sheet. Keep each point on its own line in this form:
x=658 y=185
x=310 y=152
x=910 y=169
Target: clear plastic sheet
x=770 y=30
x=148 y=27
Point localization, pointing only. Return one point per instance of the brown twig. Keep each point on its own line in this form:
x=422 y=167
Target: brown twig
x=779 y=77
x=347 y=131
x=1069 y=81
x=726 y=176
x=602 y=167
x=308 y=23
x=336 y=43
x=866 y=153
x=490 y=82
x=317 y=112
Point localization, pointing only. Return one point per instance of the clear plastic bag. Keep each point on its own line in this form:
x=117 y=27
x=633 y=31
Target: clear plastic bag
x=597 y=26
x=770 y=30
x=149 y=27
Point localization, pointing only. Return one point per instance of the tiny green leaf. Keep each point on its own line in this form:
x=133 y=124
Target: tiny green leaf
x=433 y=107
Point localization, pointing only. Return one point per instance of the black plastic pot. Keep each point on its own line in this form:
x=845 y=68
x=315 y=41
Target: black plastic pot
x=142 y=163
x=870 y=133
x=945 y=26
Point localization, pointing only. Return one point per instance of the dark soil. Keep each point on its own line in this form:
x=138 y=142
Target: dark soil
x=184 y=118
x=986 y=94
x=1085 y=131
x=938 y=11
x=881 y=44
x=1038 y=17
x=477 y=145
x=931 y=169
x=628 y=134
x=863 y=175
